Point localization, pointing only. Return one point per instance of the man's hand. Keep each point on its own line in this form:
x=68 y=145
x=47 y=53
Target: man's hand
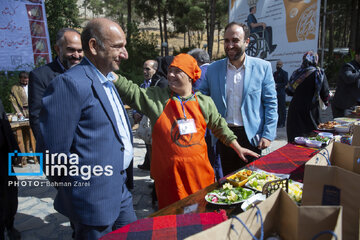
x=242 y=152
x=263 y=25
x=264 y=143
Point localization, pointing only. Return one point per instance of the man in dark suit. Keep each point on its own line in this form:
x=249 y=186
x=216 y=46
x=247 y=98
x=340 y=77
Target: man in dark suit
x=281 y=79
x=347 y=94
x=8 y=191
x=84 y=118
x=69 y=53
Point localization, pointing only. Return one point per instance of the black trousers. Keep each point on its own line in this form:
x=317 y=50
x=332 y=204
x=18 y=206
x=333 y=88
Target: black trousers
x=230 y=161
x=8 y=203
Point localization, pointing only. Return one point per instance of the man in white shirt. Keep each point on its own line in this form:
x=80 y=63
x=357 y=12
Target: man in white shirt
x=243 y=90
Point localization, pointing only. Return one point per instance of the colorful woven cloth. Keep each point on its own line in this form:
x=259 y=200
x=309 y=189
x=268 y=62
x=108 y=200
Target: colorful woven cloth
x=167 y=227
x=289 y=159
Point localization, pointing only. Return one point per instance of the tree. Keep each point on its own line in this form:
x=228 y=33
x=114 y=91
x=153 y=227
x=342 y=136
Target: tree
x=67 y=17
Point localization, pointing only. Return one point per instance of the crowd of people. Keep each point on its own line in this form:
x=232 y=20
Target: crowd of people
x=184 y=106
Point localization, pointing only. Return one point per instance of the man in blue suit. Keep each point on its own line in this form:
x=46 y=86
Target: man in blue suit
x=84 y=119
x=243 y=90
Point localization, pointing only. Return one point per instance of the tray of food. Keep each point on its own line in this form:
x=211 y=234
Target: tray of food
x=228 y=195
x=328 y=126
x=260 y=178
x=240 y=178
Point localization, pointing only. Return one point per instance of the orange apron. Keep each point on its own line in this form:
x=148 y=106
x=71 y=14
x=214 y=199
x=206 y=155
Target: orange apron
x=179 y=164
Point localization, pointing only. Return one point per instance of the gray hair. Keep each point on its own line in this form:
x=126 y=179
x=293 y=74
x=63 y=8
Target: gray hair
x=200 y=55
x=92 y=30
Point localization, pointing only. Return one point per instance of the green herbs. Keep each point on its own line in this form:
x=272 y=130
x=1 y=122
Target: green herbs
x=228 y=195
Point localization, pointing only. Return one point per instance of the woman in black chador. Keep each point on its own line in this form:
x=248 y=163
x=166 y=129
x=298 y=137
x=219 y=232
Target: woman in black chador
x=306 y=85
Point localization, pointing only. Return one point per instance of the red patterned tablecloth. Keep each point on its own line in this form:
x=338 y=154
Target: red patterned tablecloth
x=289 y=159
x=167 y=227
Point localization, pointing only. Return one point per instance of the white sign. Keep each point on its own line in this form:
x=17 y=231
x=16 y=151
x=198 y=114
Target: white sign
x=295 y=28
x=24 y=37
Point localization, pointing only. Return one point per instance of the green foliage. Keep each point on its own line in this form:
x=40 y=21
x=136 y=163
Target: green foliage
x=61 y=14
x=332 y=67
x=142 y=47
x=7 y=80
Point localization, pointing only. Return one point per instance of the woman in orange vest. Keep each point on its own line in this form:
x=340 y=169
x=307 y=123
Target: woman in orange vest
x=179 y=117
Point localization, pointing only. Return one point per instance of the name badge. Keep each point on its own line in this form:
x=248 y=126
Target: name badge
x=186 y=126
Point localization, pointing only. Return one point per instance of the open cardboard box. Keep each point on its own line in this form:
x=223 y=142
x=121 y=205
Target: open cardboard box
x=282 y=216
x=338 y=184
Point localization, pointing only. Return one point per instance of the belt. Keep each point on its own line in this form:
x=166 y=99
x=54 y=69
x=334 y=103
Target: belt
x=235 y=127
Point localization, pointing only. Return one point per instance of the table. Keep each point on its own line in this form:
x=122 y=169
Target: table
x=19 y=127
x=290 y=159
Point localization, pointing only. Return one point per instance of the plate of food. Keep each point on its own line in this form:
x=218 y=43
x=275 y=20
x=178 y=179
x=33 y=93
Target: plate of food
x=259 y=179
x=300 y=140
x=324 y=140
x=240 y=178
x=295 y=191
x=228 y=195
x=328 y=126
x=345 y=120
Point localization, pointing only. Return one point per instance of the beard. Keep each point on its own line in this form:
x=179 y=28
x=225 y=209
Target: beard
x=238 y=53
x=69 y=62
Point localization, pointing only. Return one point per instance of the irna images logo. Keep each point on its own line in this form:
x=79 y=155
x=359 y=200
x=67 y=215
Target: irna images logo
x=15 y=154
x=61 y=164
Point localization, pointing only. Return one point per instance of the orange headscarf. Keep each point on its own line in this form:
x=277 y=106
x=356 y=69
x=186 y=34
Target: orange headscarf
x=187 y=64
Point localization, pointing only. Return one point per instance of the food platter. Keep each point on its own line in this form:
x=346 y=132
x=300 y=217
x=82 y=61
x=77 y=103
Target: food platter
x=258 y=181
x=228 y=195
x=240 y=178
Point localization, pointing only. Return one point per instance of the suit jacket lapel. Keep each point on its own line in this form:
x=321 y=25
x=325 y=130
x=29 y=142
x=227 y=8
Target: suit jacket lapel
x=247 y=77
x=101 y=94
x=222 y=82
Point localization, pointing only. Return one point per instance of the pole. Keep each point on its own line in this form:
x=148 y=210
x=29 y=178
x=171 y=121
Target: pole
x=323 y=33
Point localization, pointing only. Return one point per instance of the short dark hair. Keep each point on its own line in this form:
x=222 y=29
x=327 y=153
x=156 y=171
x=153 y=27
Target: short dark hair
x=61 y=32
x=92 y=30
x=23 y=74
x=250 y=9
x=245 y=28
x=200 y=55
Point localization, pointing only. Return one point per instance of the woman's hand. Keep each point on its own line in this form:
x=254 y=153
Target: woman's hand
x=242 y=152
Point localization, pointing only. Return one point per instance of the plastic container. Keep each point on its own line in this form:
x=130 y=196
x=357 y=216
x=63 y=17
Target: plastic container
x=300 y=140
x=342 y=128
x=326 y=134
x=313 y=143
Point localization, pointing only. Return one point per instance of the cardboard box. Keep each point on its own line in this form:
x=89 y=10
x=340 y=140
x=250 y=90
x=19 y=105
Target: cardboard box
x=282 y=216
x=337 y=184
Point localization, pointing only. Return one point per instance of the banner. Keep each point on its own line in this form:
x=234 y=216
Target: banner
x=294 y=27
x=24 y=37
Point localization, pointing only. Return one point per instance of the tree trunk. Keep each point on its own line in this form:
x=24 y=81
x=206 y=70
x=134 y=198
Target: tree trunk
x=218 y=39
x=184 y=39
x=212 y=27
x=129 y=26
x=331 y=30
x=165 y=32
x=189 y=38
x=357 y=39
x=353 y=25
x=160 y=26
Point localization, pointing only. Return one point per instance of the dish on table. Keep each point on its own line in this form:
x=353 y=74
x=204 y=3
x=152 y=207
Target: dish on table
x=259 y=179
x=300 y=140
x=228 y=195
x=326 y=134
x=313 y=143
x=295 y=190
x=342 y=120
x=342 y=128
x=329 y=125
x=240 y=178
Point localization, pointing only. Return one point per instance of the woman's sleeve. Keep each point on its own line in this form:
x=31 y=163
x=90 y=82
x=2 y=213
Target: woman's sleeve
x=149 y=101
